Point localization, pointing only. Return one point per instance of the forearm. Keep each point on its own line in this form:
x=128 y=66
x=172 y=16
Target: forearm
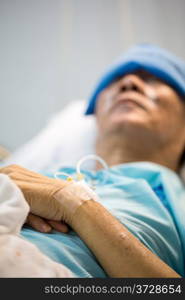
x=117 y=250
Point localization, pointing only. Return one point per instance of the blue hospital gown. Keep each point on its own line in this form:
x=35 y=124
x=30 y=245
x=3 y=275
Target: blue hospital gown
x=147 y=198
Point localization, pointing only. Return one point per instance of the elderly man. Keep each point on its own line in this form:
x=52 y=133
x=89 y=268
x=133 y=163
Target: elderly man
x=140 y=112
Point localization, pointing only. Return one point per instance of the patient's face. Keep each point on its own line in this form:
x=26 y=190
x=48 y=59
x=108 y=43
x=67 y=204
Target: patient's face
x=143 y=104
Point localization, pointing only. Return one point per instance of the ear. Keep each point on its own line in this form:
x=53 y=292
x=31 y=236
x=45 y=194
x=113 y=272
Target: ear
x=13 y=207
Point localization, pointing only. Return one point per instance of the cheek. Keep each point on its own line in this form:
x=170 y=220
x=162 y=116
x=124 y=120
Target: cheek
x=106 y=99
x=103 y=106
x=104 y=102
x=170 y=111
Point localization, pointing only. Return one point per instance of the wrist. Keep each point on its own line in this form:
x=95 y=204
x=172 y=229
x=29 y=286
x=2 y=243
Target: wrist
x=71 y=197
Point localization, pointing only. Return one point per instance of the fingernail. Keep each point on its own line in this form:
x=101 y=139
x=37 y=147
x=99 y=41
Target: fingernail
x=46 y=228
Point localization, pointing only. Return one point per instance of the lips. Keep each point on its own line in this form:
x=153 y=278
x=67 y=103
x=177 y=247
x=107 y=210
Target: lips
x=128 y=102
x=129 y=99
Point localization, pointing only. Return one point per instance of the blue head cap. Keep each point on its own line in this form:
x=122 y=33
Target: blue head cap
x=153 y=59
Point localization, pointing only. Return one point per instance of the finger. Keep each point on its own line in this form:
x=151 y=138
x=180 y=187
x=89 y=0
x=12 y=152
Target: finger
x=4 y=170
x=59 y=226
x=10 y=168
x=38 y=223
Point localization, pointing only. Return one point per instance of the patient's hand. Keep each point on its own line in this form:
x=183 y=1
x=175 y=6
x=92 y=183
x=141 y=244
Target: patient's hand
x=20 y=258
x=52 y=199
x=39 y=192
x=44 y=225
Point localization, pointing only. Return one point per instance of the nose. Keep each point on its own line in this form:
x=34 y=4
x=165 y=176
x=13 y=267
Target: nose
x=131 y=82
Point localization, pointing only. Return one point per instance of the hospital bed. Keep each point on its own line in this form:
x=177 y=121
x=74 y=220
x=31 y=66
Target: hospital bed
x=54 y=145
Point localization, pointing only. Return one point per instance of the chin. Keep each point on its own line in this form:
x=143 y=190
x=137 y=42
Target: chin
x=128 y=119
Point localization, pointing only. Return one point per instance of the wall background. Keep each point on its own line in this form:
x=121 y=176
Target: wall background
x=52 y=52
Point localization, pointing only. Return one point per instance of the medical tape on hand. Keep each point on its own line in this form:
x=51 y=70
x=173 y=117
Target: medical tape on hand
x=77 y=192
x=74 y=195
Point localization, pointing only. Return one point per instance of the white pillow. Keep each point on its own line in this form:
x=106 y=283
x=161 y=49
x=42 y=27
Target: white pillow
x=68 y=136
